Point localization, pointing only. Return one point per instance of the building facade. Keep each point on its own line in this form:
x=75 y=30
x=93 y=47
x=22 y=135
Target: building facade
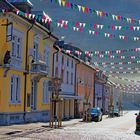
x=25 y=69
x=85 y=75
x=64 y=68
x=101 y=92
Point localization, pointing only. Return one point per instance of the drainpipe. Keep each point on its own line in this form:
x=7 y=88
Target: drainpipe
x=76 y=90
x=94 y=88
x=53 y=60
x=26 y=69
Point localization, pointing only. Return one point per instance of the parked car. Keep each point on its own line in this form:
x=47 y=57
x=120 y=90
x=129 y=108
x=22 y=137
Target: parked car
x=116 y=112
x=96 y=114
x=137 y=121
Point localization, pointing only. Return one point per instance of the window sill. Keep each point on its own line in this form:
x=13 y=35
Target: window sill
x=14 y=103
x=46 y=103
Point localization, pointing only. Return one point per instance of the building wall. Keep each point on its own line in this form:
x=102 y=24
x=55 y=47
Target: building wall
x=42 y=109
x=85 y=84
x=99 y=95
x=66 y=87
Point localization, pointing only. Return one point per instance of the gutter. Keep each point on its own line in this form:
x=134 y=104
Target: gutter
x=26 y=69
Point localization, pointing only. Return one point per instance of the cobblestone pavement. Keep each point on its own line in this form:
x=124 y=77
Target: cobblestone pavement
x=119 y=128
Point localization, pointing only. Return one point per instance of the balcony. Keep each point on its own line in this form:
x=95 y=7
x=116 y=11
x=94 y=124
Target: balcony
x=40 y=67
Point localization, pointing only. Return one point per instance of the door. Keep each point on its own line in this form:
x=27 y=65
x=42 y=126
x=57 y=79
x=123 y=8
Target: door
x=34 y=95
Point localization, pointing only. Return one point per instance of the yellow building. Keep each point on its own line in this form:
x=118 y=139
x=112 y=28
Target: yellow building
x=26 y=53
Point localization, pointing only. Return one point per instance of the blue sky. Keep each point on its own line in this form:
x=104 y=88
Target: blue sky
x=126 y=8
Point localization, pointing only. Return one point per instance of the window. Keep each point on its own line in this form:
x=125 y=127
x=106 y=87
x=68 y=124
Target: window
x=56 y=72
x=35 y=54
x=72 y=78
x=62 y=75
x=15 y=89
x=16 y=46
x=47 y=56
x=67 y=61
x=57 y=57
x=62 y=59
x=9 y=32
x=67 y=77
x=45 y=97
x=72 y=64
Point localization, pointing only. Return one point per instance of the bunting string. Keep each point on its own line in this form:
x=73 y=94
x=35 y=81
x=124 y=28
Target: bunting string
x=116 y=63
x=98 y=26
x=97 y=33
x=118 y=77
x=47 y=20
x=87 y=10
x=88 y=53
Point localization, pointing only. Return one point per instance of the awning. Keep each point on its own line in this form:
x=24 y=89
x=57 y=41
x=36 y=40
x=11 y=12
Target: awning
x=71 y=97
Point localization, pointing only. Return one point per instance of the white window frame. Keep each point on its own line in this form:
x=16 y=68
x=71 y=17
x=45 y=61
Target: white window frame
x=36 y=48
x=15 y=91
x=45 y=95
x=17 y=35
x=47 y=57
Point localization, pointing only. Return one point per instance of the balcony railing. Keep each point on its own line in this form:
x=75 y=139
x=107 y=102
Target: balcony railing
x=40 y=67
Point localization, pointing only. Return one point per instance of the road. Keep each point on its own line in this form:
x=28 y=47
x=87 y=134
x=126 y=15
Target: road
x=119 y=128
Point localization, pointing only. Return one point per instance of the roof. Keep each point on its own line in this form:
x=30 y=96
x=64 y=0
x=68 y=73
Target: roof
x=5 y=4
x=74 y=57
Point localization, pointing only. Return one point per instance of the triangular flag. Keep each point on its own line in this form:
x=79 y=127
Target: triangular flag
x=134 y=28
x=58 y=24
x=97 y=12
x=83 y=9
x=113 y=16
x=79 y=8
x=116 y=27
x=101 y=26
x=138 y=28
x=98 y=26
x=80 y=24
x=61 y=25
x=101 y=13
x=66 y=22
x=74 y=28
x=120 y=36
x=120 y=27
x=63 y=2
x=59 y=1
x=93 y=32
x=33 y=16
x=84 y=24
x=90 y=31
x=30 y=15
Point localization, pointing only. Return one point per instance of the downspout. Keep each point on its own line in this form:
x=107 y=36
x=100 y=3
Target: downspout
x=76 y=90
x=26 y=69
x=94 y=86
x=53 y=60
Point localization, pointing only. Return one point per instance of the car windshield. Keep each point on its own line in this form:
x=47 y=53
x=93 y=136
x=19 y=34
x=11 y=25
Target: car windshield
x=94 y=110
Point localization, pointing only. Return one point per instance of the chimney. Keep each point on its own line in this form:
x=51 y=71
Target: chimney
x=23 y=5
